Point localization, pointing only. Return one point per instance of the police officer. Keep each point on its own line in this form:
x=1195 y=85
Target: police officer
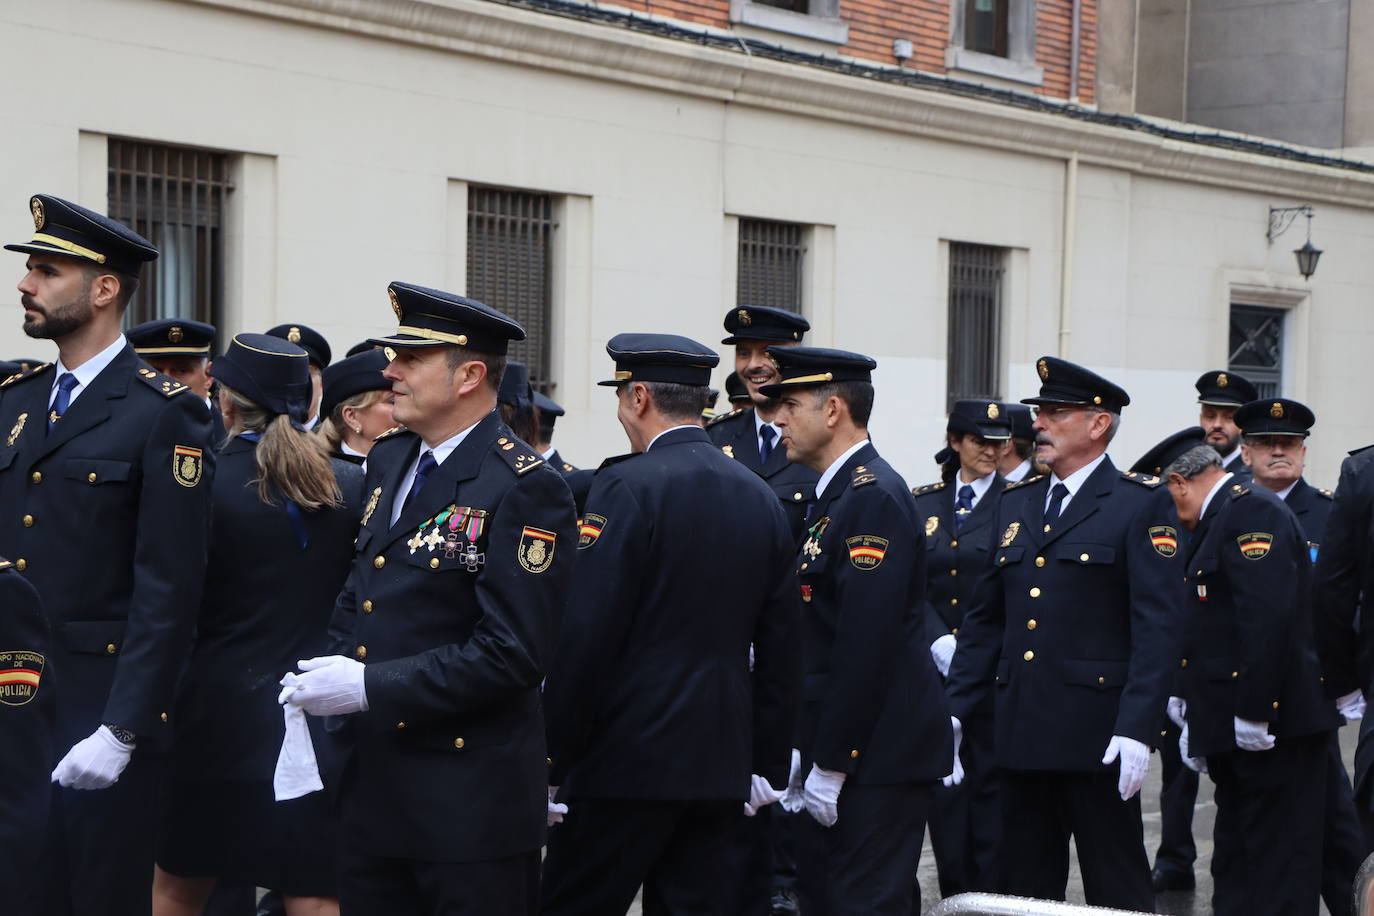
x=104 y=471
x=315 y=345
x=1071 y=631
x=1254 y=704
x=546 y=413
x=356 y=404
x=750 y=435
x=1016 y=463
x=1275 y=448
x=875 y=733
x=1220 y=392
x=965 y=820
x=180 y=349
x=516 y=401
x=656 y=720
x=443 y=630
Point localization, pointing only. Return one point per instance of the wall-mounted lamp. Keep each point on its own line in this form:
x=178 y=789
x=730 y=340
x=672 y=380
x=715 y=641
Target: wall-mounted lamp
x=1280 y=218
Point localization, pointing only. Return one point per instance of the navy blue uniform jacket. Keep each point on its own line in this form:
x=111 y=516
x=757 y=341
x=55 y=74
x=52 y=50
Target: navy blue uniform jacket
x=794 y=485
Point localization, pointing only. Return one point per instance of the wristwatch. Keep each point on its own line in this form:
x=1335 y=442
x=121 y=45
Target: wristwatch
x=123 y=734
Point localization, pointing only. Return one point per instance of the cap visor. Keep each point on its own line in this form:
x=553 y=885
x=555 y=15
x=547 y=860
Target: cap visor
x=1213 y=402
x=994 y=433
x=1060 y=401
x=172 y=351
x=407 y=340
x=40 y=248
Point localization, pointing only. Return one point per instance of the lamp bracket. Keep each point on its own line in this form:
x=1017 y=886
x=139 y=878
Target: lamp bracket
x=1280 y=218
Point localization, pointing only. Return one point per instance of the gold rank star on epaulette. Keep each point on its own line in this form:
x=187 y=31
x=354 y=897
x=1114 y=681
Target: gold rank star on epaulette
x=1023 y=482
x=722 y=417
x=1326 y=493
x=1145 y=480
x=162 y=384
x=518 y=455
x=862 y=476
x=23 y=376
x=1239 y=490
x=928 y=488
x=389 y=433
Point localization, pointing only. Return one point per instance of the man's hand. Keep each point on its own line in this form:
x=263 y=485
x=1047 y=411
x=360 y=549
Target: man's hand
x=956 y=775
x=1253 y=736
x=1135 y=763
x=94 y=762
x=793 y=800
x=761 y=793
x=1178 y=710
x=822 y=795
x=1352 y=705
x=942 y=652
x=331 y=686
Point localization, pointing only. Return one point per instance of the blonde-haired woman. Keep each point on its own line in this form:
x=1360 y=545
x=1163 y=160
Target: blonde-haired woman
x=281 y=542
x=356 y=406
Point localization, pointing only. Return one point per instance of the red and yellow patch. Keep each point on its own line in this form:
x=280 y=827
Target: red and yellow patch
x=866 y=551
x=21 y=672
x=806 y=593
x=1255 y=545
x=186 y=464
x=589 y=528
x=1164 y=540
x=535 y=552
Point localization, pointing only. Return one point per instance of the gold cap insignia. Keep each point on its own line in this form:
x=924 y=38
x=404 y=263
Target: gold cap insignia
x=36 y=207
x=395 y=303
x=1222 y=380
x=744 y=318
x=1276 y=411
x=294 y=335
x=174 y=334
x=390 y=353
x=1044 y=369
x=993 y=412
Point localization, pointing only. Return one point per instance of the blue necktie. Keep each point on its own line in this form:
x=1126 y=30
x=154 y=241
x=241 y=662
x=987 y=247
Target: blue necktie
x=1056 y=500
x=65 y=383
x=767 y=434
x=422 y=471
x=963 y=506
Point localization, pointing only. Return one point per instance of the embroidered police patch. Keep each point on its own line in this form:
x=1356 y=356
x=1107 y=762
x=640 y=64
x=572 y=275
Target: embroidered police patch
x=21 y=672
x=1010 y=534
x=589 y=529
x=535 y=552
x=186 y=463
x=1164 y=540
x=932 y=525
x=1255 y=545
x=866 y=551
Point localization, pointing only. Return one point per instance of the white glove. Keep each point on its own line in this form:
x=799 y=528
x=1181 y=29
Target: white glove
x=1196 y=764
x=1178 y=710
x=1351 y=705
x=792 y=800
x=956 y=775
x=761 y=793
x=942 y=651
x=556 y=809
x=1253 y=736
x=94 y=762
x=1135 y=763
x=822 y=795
x=331 y=686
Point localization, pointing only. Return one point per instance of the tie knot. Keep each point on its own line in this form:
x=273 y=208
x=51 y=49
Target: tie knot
x=1060 y=491
x=66 y=381
x=966 y=492
x=427 y=464
x=768 y=433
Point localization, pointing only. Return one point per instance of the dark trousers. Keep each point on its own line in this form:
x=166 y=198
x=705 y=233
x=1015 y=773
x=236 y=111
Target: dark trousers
x=865 y=865
x=1343 y=842
x=1042 y=810
x=605 y=849
x=1177 y=797
x=378 y=886
x=1267 y=853
x=764 y=844
x=100 y=844
x=966 y=820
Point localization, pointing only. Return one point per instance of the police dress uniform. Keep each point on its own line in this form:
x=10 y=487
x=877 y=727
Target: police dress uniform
x=1223 y=388
x=656 y=720
x=965 y=820
x=1250 y=655
x=274 y=573
x=169 y=337
x=1071 y=630
x=873 y=707
x=107 y=514
x=453 y=609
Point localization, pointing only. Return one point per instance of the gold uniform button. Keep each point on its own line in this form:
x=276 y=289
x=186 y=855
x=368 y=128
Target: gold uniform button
x=1029 y=656
x=1234 y=675
x=954 y=572
x=21 y=564
x=954 y=632
x=1031 y=624
x=954 y=543
x=548 y=761
x=400 y=725
x=953 y=601
x=1035 y=592
x=1039 y=561
x=91 y=476
x=379 y=561
x=458 y=742
x=28 y=521
x=110 y=649
x=1101 y=681
x=361 y=652
x=163 y=717
x=1047 y=529
x=367 y=606
x=1276 y=704
x=433 y=562
x=1082 y=558
x=803 y=566
x=36 y=477
x=797 y=497
x=853 y=755
x=1183 y=663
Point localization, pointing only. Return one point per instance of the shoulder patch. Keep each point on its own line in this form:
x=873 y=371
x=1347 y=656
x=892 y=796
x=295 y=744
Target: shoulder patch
x=1363 y=448
x=616 y=459
x=1326 y=494
x=1022 y=482
x=862 y=477
x=1239 y=490
x=5 y=564
x=22 y=376
x=395 y=430
x=1145 y=480
x=722 y=417
x=518 y=455
x=163 y=384
x=928 y=488
x=568 y=467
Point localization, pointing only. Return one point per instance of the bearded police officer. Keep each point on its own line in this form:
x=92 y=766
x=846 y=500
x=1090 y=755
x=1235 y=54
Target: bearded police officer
x=1071 y=631
x=875 y=733
x=443 y=631
x=104 y=477
x=1220 y=393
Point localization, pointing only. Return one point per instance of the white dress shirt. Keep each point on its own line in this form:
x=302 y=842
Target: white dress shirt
x=667 y=431
x=980 y=487
x=441 y=451
x=87 y=371
x=834 y=468
x=1073 y=482
x=758 y=433
x=1216 y=488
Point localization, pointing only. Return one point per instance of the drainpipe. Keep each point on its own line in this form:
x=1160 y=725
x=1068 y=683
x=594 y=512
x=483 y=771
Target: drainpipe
x=1066 y=268
x=1074 y=50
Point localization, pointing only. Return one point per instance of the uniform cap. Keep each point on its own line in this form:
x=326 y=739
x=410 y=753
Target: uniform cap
x=62 y=227
x=1275 y=417
x=1163 y=454
x=271 y=372
x=353 y=375
x=308 y=339
x=1021 y=421
x=515 y=386
x=172 y=337
x=660 y=358
x=760 y=322
x=434 y=318
x=807 y=367
x=1069 y=384
x=1223 y=388
x=978 y=417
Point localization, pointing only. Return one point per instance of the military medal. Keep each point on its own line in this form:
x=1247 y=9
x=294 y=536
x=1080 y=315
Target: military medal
x=812 y=547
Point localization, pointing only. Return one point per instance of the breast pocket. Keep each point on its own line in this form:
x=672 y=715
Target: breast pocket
x=453 y=555
x=98 y=472
x=1088 y=554
x=1008 y=556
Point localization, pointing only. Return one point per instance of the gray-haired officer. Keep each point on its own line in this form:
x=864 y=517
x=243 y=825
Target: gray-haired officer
x=1071 y=630
x=1220 y=392
x=104 y=476
x=443 y=630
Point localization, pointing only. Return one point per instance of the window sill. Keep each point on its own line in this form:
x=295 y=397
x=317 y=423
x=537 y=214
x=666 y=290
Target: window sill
x=817 y=28
x=1002 y=68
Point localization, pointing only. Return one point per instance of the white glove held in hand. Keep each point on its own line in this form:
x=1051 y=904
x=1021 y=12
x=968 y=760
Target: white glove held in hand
x=1352 y=705
x=792 y=800
x=956 y=775
x=94 y=762
x=1196 y=764
x=1253 y=736
x=556 y=809
x=331 y=686
x=1178 y=710
x=1135 y=763
x=942 y=651
x=822 y=795
x=761 y=793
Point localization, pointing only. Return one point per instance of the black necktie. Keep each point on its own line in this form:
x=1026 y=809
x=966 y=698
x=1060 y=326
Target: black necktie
x=963 y=506
x=767 y=434
x=1056 y=500
x=65 y=383
x=422 y=472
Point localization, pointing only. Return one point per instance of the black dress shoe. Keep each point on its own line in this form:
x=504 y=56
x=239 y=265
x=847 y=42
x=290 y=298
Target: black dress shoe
x=1172 y=879
x=784 y=902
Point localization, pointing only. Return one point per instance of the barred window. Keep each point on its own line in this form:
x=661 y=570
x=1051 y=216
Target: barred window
x=510 y=241
x=975 y=321
x=174 y=196
x=1257 y=347
x=770 y=264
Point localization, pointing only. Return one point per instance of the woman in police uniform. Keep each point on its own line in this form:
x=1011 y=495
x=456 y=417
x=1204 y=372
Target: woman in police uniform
x=958 y=512
x=281 y=541
x=356 y=405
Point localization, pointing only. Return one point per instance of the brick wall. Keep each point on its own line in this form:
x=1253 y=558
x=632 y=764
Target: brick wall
x=873 y=24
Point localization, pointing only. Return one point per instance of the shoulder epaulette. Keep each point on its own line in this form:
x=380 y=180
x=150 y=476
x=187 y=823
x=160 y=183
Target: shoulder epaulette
x=1363 y=448
x=722 y=417
x=1022 y=482
x=616 y=459
x=164 y=385
x=518 y=455
x=394 y=431
x=862 y=477
x=22 y=376
x=568 y=467
x=5 y=564
x=1145 y=480
x=1238 y=490
x=1321 y=491
x=928 y=488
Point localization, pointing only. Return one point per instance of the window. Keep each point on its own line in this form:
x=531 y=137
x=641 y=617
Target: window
x=994 y=38
x=985 y=26
x=510 y=241
x=975 y=321
x=174 y=196
x=1257 y=347
x=770 y=264
x=817 y=20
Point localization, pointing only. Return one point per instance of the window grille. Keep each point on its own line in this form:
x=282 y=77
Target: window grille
x=975 y=321
x=770 y=264
x=1257 y=347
